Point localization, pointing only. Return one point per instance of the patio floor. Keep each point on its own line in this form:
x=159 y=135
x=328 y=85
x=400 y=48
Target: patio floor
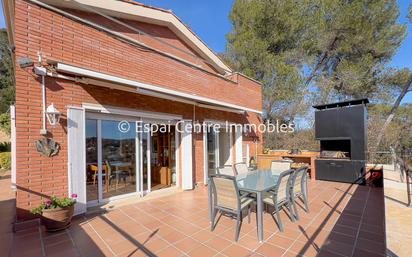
x=344 y=220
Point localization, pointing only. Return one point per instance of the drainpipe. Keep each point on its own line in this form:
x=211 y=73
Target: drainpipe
x=193 y=148
x=41 y=71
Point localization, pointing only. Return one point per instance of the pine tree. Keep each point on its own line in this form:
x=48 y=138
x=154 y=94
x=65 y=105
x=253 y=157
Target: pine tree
x=308 y=52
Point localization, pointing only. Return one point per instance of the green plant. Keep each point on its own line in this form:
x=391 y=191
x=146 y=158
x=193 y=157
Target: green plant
x=5 y=123
x=55 y=203
x=5 y=161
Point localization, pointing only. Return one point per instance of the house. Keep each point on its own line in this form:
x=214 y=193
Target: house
x=103 y=71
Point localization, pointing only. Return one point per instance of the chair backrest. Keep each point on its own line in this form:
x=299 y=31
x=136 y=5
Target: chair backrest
x=226 y=193
x=299 y=180
x=241 y=168
x=108 y=167
x=283 y=185
x=280 y=165
x=227 y=170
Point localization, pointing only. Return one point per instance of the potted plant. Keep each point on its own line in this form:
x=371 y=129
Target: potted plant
x=56 y=213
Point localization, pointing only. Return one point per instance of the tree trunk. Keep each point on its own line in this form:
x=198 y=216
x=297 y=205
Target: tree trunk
x=325 y=57
x=392 y=113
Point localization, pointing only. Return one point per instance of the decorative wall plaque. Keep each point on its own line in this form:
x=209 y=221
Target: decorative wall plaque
x=47 y=147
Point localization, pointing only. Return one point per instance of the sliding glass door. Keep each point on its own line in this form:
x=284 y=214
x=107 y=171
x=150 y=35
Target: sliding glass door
x=118 y=158
x=218 y=152
x=157 y=153
x=121 y=161
x=111 y=150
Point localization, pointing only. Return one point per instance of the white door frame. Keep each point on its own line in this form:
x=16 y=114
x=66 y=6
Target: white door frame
x=206 y=154
x=77 y=158
x=187 y=154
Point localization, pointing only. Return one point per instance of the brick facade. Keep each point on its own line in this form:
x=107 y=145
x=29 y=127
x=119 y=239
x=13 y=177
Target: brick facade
x=67 y=41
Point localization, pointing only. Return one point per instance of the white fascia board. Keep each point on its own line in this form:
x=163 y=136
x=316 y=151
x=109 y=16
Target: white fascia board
x=110 y=78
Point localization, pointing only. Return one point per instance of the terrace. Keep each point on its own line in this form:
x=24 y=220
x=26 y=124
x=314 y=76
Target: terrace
x=344 y=220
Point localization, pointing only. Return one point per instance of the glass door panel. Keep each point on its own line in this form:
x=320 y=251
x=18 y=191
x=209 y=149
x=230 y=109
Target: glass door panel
x=145 y=157
x=163 y=159
x=211 y=152
x=118 y=159
x=91 y=161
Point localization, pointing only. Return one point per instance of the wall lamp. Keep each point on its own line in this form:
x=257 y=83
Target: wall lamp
x=53 y=115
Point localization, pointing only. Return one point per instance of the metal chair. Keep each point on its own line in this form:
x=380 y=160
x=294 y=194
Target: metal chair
x=117 y=174
x=280 y=196
x=241 y=168
x=227 y=199
x=280 y=165
x=226 y=170
x=299 y=189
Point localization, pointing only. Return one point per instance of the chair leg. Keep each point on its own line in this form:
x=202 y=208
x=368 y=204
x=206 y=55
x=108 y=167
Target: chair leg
x=305 y=201
x=292 y=216
x=248 y=214
x=213 y=225
x=238 y=224
x=278 y=218
x=295 y=208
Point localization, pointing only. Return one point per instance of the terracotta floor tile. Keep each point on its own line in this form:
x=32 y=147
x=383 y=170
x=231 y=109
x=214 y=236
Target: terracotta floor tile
x=65 y=248
x=26 y=252
x=163 y=226
x=188 y=229
x=113 y=238
x=56 y=238
x=156 y=244
x=236 y=250
x=290 y=233
x=280 y=241
x=218 y=243
x=169 y=252
x=350 y=231
x=153 y=225
x=187 y=244
x=359 y=252
x=270 y=250
x=371 y=246
x=325 y=253
x=249 y=242
x=202 y=251
x=133 y=253
x=174 y=237
x=204 y=235
x=338 y=247
x=306 y=249
x=123 y=246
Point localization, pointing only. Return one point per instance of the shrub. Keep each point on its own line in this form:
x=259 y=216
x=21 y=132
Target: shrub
x=5 y=161
x=5 y=147
x=55 y=203
x=5 y=123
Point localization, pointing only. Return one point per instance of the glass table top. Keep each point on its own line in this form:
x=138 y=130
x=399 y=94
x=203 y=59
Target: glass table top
x=259 y=180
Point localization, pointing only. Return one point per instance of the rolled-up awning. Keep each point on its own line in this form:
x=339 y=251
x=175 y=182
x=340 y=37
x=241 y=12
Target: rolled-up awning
x=98 y=78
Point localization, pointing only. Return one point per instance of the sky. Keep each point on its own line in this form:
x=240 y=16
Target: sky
x=209 y=19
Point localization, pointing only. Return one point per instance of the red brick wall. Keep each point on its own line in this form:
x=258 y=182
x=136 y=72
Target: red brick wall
x=64 y=40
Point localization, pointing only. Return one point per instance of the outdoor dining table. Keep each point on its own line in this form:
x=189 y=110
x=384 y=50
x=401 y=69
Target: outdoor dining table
x=257 y=182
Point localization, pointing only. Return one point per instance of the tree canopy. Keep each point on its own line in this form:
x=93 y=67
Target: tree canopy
x=7 y=89
x=308 y=52
x=6 y=74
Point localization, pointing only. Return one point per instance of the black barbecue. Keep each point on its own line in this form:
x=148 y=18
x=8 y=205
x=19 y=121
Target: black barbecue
x=342 y=131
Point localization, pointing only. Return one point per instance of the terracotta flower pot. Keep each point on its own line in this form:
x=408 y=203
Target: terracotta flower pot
x=57 y=219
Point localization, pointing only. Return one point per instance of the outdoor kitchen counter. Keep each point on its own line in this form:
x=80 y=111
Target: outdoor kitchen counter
x=264 y=160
